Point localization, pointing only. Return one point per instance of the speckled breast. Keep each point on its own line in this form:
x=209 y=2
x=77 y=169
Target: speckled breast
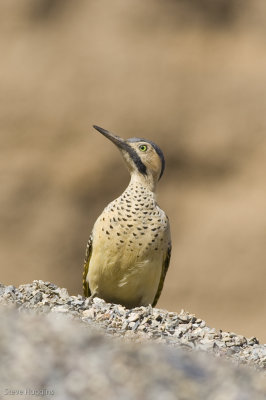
x=130 y=239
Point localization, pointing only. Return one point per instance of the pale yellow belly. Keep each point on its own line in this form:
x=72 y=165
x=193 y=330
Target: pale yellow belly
x=122 y=275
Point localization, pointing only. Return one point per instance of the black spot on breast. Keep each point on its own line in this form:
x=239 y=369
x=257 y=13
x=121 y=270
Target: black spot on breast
x=134 y=234
x=139 y=229
x=124 y=219
x=128 y=215
x=121 y=241
x=118 y=234
x=154 y=229
x=129 y=225
x=107 y=233
x=111 y=226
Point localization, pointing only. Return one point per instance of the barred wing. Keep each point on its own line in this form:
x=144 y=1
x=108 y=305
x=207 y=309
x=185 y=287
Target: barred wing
x=86 y=289
x=163 y=274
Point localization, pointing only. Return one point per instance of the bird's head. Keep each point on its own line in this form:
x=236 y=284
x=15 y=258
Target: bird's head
x=143 y=158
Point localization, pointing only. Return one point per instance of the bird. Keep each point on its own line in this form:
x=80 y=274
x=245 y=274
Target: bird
x=129 y=249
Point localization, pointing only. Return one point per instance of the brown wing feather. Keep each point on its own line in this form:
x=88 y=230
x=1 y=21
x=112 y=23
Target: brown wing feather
x=163 y=274
x=86 y=288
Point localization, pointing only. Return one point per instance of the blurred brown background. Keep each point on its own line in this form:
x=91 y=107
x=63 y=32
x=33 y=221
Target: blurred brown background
x=189 y=75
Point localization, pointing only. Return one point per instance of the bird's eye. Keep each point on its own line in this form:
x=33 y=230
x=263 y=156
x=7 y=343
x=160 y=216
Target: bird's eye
x=143 y=147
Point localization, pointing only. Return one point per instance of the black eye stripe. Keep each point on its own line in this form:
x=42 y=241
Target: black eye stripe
x=156 y=148
x=135 y=157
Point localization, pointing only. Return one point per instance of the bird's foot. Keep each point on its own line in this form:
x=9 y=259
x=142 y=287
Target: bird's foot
x=149 y=310
x=90 y=299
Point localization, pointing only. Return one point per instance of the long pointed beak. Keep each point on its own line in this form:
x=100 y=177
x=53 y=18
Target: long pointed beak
x=119 y=142
x=123 y=144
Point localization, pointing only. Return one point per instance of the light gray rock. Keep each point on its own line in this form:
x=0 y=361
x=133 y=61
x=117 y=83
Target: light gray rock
x=62 y=359
x=62 y=347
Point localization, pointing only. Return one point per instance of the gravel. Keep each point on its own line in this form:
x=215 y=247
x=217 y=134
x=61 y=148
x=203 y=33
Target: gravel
x=63 y=344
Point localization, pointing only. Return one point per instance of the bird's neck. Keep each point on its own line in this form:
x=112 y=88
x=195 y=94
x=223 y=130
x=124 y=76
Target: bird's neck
x=144 y=182
x=139 y=194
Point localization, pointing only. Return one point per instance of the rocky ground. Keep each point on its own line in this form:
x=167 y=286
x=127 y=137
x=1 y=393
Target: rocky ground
x=62 y=347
